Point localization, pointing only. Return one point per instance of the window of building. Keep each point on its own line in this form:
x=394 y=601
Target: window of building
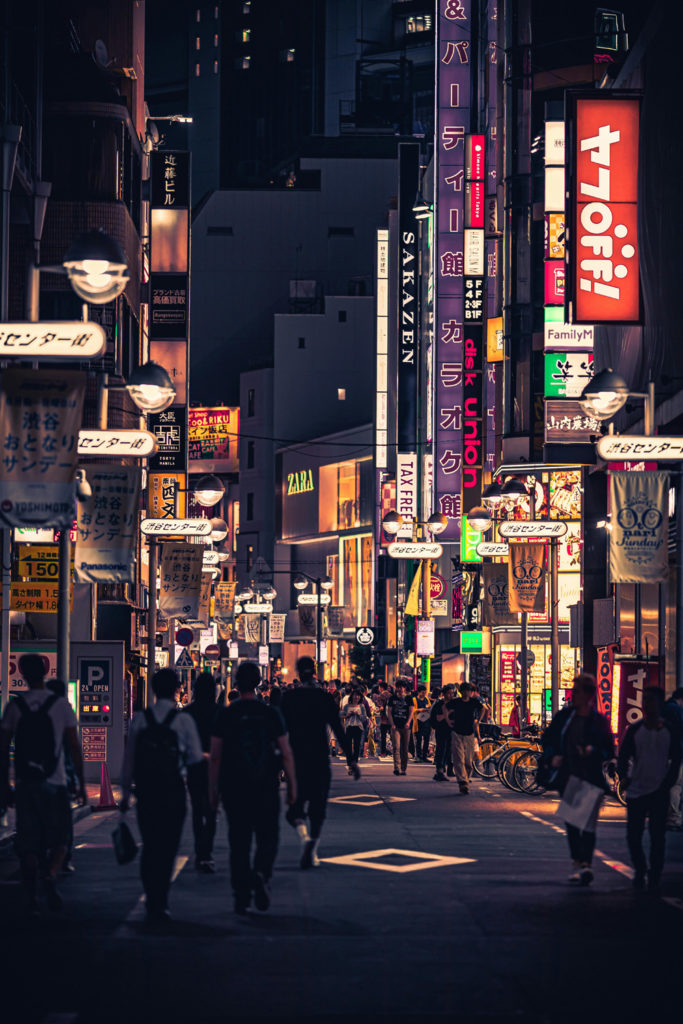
x=341 y=316
x=341 y=394
x=196 y=71
x=215 y=67
x=251 y=454
x=215 y=39
x=246 y=7
x=287 y=56
x=250 y=505
x=215 y=12
x=418 y=23
x=197 y=15
x=250 y=557
x=197 y=43
x=235 y=524
x=333 y=232
x=243 y=63
x=302 y=343
x=246 y=35
x=343 y=495
x=251 y=402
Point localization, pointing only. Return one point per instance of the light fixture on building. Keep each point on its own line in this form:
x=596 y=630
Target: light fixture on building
x=245 y=594
x=493 y=494
x=392 y=522
x=604 y=395
x=219 y=530
x=437 y=523
x=208 y=490
x=300 y=582
x=97 y=267
x=83 y=488
x=479 y=519
x=421 y=208
x=326 y=583
x=151 y=388
x=514 y=489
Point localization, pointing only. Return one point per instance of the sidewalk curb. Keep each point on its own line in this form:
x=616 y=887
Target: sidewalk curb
x=7 y=838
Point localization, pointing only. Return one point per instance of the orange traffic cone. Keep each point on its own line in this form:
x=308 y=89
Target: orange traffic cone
x=107 y=801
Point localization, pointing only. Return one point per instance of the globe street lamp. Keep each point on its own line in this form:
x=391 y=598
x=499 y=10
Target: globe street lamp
x=219 y=530
x=322 y=583
x=97 y=267
x=151 y=388
x=209 y=490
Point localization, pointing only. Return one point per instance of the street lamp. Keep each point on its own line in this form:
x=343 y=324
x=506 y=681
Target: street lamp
x=209 y=490
x=604 y=395
x=151 y=388
x=97 y=267
x=300 y=582
x=492 y=495
x=480 y=519
x=219 y=530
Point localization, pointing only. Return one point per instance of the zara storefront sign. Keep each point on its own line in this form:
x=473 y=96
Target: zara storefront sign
x=62 y=340
x=533 y=528
x=409 y=550
x=604 y=250
x=300 y=482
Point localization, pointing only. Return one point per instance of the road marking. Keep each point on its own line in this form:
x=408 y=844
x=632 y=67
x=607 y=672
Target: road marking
x=370 y=799
x=674 y=901
x=609 y=862
x=60 y=1018
x=138 y=911
x=422 y=860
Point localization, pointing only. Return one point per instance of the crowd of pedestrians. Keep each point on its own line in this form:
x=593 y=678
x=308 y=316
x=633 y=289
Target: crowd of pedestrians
x=236 y=752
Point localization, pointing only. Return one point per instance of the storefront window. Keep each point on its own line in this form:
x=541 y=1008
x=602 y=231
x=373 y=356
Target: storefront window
x=342 y=501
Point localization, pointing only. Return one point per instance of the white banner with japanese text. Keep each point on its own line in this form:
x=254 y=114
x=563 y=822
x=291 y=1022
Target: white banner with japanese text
x=277 y=627
x=40 y=416
x=181 y=580
x=638 y=540
x=107 y=525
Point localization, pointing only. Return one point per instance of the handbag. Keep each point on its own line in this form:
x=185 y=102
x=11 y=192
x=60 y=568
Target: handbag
x=125 y=847
x=546 y=775
x=580 y=804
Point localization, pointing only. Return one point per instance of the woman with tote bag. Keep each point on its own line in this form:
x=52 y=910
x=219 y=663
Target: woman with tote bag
x=576 y=743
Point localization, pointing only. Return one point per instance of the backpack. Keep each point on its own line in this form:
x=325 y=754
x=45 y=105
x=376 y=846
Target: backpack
x=35 y=758
x=156 y=766
x=433 y=712
x=254 y=759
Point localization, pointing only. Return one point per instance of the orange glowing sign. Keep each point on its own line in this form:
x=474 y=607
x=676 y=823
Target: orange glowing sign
x=604 y=256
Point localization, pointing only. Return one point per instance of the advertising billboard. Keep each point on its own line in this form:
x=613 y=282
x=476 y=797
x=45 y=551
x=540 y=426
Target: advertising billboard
x=213 y=435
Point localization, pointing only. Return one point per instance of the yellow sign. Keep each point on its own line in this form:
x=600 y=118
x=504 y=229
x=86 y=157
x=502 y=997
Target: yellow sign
x=33 y=597
x=166 y=496
x=495 y=346
x=40 y=562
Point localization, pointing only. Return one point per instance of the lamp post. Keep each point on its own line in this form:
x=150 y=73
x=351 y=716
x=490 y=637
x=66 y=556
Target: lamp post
x=263 y=594
x=301 y=581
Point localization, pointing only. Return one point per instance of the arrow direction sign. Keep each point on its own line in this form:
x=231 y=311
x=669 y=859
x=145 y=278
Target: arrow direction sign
x=137 y=444
x=401 y=549
x=625 y=448
x=63 y=340
x=313 y=599
x=492 y=549
x=176 y=527
x=533 y=528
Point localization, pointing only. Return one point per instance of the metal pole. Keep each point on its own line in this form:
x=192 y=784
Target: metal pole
x=554 y=631
x=151 y=621
x=679 y=580
x=64 y=604
x=524 y=668
x=319 y=632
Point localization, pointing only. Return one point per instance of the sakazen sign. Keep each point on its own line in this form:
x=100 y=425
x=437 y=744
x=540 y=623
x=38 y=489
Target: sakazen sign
x=603 y=252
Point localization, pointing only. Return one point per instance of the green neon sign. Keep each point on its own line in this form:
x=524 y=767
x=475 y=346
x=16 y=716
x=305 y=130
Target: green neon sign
x=471 y=642
x=469 y=540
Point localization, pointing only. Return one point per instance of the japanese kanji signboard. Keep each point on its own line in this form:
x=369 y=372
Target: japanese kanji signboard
x=166 y=495
x=170 y=174
x=39 y=562
x=625 y=448
x=168 y=317
x=176 y=527
x=225 y=600
x=170 y=431
x=567 y=423
x=180 y=580
x=213 y=439
x=136 y=444
x=567 y=373
x=107 y=525
x=34 y=597
x=40 y=417
x=63 y=340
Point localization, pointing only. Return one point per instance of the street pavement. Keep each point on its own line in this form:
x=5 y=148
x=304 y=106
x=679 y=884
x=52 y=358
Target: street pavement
x=428 y=904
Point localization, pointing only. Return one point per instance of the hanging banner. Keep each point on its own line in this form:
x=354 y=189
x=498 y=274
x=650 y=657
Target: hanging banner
x=526 y=577
x=252 y=628
x=277 y=628
x=413 y=603
x=40 y=417
x=605 y=680
x=181 y=580
x=307 y=620
x=495 y=592
x=638 y=540
x=225 y=600
x=107 y=525
x=204 y=613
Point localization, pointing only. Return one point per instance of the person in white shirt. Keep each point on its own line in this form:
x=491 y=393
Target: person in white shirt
x=161 y=742
x=41 y=724
x=651 y=753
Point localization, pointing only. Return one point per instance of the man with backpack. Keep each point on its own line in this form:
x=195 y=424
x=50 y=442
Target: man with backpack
x=41 y=723
x=161 y=741
x=249 y=746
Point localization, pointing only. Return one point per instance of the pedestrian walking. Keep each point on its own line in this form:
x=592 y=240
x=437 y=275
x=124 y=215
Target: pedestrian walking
x=577 y=743
x=42 y=723
x=462 y=714
x=249 y=748
x=672 y=712
x=162 y=741
x=355 y=719
x=203 y=710
x=58 y=687
x=400 y=712
x=514 y=719
x=309 y=711
x=649 y=762
x=383 y=695
x=423 y=707
x=442 y=732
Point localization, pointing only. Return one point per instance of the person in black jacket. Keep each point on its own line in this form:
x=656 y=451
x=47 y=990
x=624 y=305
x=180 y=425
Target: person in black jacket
x=577 y=743
x=203 y=709
x=651 y=754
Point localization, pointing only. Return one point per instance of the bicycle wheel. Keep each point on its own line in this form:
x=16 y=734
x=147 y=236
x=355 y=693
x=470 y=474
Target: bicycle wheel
x=525 y=772
x=506 y=767
x=485 y=767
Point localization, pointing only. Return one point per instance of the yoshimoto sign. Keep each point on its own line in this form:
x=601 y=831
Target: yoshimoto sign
x=604 y=248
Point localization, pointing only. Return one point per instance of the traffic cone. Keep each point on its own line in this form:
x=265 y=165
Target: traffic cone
x=107 y=801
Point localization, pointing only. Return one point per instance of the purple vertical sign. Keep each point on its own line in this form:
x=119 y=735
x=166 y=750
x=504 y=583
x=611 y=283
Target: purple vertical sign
x=453 y=97
x=491 y=225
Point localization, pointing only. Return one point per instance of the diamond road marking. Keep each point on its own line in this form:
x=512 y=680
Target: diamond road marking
x=423 y=860
x=369 y=799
